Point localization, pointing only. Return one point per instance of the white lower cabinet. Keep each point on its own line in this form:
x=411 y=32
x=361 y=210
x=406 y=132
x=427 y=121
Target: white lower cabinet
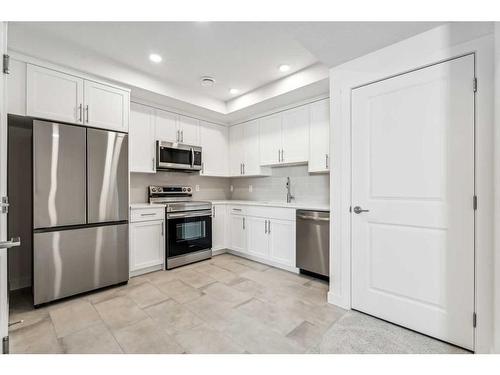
x=263 y=234
x=147 y=241
x=237 y=233
x=218 y=227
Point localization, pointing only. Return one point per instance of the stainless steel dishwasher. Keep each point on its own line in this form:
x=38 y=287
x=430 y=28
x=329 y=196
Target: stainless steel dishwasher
x=312 y=241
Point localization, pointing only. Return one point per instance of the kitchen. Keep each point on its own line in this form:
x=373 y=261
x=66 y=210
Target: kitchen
x=163 y=207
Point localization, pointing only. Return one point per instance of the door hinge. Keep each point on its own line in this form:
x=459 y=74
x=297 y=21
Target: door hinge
x=474 y=84
x=474 y=202
x=4 y=204
x=474 y=320
x=6 y=64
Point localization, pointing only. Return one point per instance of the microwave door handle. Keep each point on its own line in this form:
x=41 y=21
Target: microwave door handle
x=192 y=158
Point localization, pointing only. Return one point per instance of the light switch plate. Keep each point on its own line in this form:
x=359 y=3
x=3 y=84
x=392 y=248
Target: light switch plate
x=250 y=188
x=231 y=188
x=197 y=187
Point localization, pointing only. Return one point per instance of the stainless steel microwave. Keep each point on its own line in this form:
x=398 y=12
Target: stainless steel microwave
x=177 y=156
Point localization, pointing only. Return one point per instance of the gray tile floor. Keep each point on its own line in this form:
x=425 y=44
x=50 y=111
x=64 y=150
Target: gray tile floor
x=223 y=305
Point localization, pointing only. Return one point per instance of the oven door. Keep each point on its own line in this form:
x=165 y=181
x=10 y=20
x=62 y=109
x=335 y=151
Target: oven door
x=188 y=232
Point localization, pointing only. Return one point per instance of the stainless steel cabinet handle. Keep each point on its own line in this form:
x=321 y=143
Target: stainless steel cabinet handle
x=326 y=161
x=202 y=167
x=16 y=241
x=182 y=135
x=87 y=112
x=265 y=226
x=177 y=136
x=162 y=224
x=269 y=227
x=279 y=155
x=80 y=108
x=358 y=210
x=315 y=218
x=243 y=168
x=236 y=209
x=152 y=214
x=282 y=155
x=243 y=223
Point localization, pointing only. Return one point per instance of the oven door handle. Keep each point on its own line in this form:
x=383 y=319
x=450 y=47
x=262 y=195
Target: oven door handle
x=189 y=214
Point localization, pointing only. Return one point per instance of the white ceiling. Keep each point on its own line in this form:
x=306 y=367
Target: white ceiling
x=242 y=55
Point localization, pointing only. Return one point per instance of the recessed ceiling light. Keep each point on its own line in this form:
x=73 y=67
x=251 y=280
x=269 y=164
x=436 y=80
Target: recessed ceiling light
x=154 y=57
x=207 y=81
x=234 y=91
x=284 y=68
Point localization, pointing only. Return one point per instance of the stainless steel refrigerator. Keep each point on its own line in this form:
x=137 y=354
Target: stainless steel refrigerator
x=80 y=210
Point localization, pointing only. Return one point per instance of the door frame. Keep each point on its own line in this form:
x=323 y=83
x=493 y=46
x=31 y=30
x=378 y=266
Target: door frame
x=434 y=46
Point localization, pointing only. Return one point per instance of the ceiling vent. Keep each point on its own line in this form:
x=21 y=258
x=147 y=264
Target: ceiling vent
x=207 y=81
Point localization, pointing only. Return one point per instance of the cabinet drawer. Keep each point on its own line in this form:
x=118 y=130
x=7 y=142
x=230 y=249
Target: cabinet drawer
x=147 y=214
x=271 y=212
x=238 y=210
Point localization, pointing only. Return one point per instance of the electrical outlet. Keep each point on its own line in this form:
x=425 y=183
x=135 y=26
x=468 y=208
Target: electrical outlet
x=250 y=188
x=197 y=187
x=231 y=188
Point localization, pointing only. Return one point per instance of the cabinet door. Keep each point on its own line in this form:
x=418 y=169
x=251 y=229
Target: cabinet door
x=218 y=226
x=166 y=126
x=236 y=149
x=53 y=95
x=270 y=139
x=142 y=139
x=319 y=136
x=252 y=148
x=295 y=135
x=214 y=143
x=106 y=107
x=282 y=242
x=190 y=130
x=238 y=233
x=147 y=244
x=257 y=238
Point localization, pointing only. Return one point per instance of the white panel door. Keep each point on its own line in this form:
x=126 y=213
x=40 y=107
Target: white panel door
x=257 y=238
x=270 y=139
x=53 y=95
x=166 y=128
x=106 y=107
x=218 y=226
x=251 y=164
x=295 y=135
x=236 y=150
x=142 y=139
x=214 y=143
x=282 y=241
x=238 y=233
x=190 y=130
x=413 y=169
x=147 y=244
x=319 y=136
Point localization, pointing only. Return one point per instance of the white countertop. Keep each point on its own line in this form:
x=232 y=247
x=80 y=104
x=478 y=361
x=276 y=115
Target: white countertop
x=298 y=206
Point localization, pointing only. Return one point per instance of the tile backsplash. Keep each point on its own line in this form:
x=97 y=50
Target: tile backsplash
x=305 y=187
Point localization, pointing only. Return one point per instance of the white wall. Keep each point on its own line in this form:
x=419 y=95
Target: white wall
x=435 y=45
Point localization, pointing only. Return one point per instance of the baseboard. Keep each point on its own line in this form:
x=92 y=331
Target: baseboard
x=219 y=251
x=142 y=271
x=264 y=261
x=20 y=283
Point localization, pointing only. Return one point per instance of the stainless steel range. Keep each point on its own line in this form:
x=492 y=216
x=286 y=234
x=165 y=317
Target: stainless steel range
x=188 y=224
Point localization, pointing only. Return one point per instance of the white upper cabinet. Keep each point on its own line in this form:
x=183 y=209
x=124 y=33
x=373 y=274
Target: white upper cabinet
x=166 y=126
x=189 y=130
x=58 y=96
x=53 y=95
x=295 y=135
x=142 y=139
x=270 y=139
x=319 y=135
x=215 y=150
x=244 y=151
x=106 y=107
x=236 y=150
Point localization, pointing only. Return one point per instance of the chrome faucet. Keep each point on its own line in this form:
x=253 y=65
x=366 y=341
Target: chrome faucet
x=289 y=195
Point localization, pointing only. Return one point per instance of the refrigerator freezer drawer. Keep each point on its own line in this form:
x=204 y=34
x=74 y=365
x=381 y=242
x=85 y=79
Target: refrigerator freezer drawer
x=73 y=261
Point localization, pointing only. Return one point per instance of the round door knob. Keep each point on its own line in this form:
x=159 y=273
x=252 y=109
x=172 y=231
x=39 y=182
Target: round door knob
x=358 y=210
